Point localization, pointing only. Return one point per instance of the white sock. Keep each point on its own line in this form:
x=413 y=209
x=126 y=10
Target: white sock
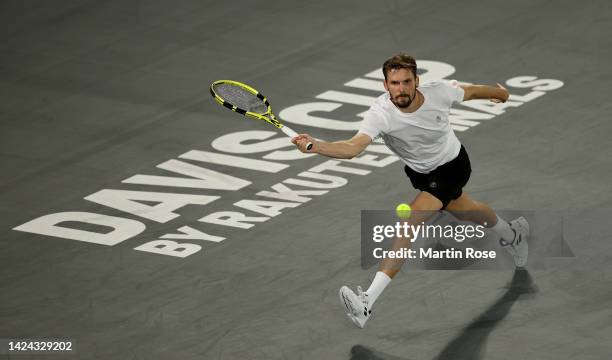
x=380 y=282
x=503 y=229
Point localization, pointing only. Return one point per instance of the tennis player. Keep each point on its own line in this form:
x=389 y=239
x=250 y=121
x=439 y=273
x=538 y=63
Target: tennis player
x=412 y=119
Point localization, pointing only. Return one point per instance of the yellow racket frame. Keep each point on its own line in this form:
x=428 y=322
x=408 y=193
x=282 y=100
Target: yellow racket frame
x=267 y=116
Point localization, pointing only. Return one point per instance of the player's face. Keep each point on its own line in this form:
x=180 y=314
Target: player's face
x=401 y=85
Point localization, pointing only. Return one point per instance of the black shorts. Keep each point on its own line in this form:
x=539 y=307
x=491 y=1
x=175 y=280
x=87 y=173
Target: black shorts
x=446 y=181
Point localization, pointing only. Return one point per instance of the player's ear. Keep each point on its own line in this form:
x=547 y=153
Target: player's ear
x=417 y=81
x=385 y=84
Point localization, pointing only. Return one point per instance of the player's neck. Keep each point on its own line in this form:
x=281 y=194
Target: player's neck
x=416 y=104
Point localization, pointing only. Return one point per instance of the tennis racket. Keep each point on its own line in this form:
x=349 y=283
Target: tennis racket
x=247 y=101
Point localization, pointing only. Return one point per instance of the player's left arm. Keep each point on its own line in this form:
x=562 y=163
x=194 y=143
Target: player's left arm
x=497 y=94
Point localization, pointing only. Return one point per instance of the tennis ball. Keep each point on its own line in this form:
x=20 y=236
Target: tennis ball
x=403 y=211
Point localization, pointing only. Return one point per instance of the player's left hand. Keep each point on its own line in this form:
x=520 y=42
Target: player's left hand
x=505 y=96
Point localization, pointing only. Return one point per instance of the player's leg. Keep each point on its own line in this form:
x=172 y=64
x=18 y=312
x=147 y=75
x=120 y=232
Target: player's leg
x=465 y=208
x=359 y=306
x=438 y=188
x=513 y=235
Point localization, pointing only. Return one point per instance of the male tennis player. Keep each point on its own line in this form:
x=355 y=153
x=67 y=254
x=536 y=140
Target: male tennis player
x=412 y=119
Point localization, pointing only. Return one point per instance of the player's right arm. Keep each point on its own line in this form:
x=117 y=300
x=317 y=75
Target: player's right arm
x=345 y=149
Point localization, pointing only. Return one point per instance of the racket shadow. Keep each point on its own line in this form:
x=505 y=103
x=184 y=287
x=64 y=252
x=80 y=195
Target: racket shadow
x=469 y=344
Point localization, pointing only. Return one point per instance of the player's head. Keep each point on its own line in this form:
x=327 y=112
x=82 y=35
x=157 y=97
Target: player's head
x=401 y=79
x=400 y=61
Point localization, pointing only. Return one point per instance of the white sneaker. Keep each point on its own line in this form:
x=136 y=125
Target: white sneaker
x=357 y=305
x=518 y=247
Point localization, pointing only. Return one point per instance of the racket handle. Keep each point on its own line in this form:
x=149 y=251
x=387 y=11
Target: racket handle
x=289 y=132
x=309 y=146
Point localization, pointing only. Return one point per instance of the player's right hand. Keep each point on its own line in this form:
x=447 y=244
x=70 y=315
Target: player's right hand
x=302 y=140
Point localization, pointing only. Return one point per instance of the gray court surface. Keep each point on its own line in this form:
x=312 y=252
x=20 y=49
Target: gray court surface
x=97 y=92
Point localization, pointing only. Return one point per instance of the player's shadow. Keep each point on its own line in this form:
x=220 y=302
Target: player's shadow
x=470 y=343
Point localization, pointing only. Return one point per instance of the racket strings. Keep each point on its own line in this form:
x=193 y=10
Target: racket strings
x=241 y=98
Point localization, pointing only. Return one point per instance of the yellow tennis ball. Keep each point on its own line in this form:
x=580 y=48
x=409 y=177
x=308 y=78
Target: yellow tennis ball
x=403 y=211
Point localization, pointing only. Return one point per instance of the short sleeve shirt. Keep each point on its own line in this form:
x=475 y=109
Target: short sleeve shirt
x=423 y=139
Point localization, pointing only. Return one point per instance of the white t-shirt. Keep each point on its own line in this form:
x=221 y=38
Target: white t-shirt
x=423 y=139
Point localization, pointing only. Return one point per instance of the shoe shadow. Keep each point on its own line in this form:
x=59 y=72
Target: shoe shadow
x=470 y=343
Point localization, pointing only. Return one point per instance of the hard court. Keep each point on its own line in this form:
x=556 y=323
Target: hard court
x=95 y=93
